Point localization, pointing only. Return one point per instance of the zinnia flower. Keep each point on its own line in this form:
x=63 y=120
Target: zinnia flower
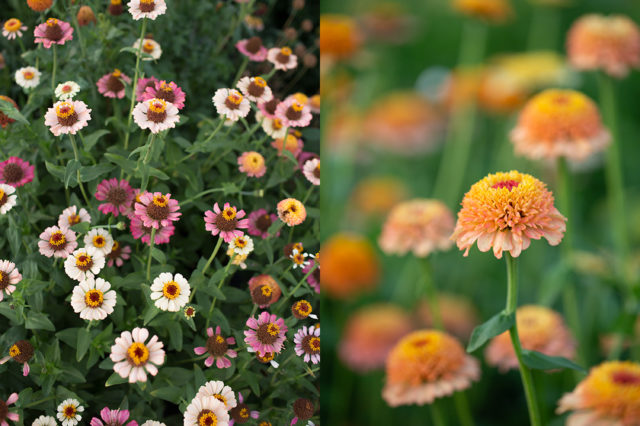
x=560 y=123
x=53 y=31
x=282 y=58
x=226 y=222
x=608 y=396
x=143 y=233
x=16 y=172
x=113 y=418
x=143 y=84
x=150 y=9
x=156 y=115
x=272 y=126
x=170 y=292
x=293 y=113
x=5 y=414
x=206 y=410
x=268 y=108
x=231 y=104
x=266 y=334
x=71 y=216
x=311 y=170
x=291 y=211
x=303 y=409
x=539 y=329
x=340 y=37
x=307 y=342
x=27 y=77
x=84 y=263
x=506 y=211
x=150 y=47
x=21 y=352
x=4 y=118
x=100 y=239
x=67 y=90
x=258 y=286
x=157 y=210
x=255 y=88
x=421 y=226
x=111 y=85
x=13 y=28
x=292 y=144
x=219 y=391
x=259 y=223
x=93 y=299
x=119 y=254
x=252 y=48
x=252 y=163
x=9 y=277
x=58 y=242
x=116 y=8
x=610 y=43
x=44 y=421
x=490 y=10
x=302 y=309
x=67 y=117
x=39 y=5
x=242 y=245
x=241 y=413
x=117 y=196
x=426 y=365
x=68 y=412
x=217 y=347
x=169 y=92
x=133 y=356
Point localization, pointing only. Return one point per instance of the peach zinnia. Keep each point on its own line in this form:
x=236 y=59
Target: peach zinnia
x=340 y=37
x=489 y=10
x=506 y=211
x=608 y=396
x=560 y=123
x=610 y=43
x=421 y=226
x=426 y=365
x=539 y=329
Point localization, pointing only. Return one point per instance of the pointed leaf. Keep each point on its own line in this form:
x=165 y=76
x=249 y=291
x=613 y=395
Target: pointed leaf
x=496 y=325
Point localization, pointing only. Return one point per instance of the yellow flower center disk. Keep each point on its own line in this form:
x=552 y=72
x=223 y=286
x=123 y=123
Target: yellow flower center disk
x=115 y=247
x=219 y=339
x=138 y=353
x=116 y=2
x=160 y=201
x=241 y=242
x=147 y=1
x=207 y=418
x=57 y=239
x=12 y=25
x=277 y=124
x=266 y=290
x=303 y=308
x=83 y=259
x=73 y=218
x=116 y=73
x=165 y=87
x=94 y=298
x=235 y=98
x=99 y=241
x=613 y=389
x=562 y=102
x=244 y=413
x=273 y=329
x=298 y=259
x=69 y=412
x=229 y=213
x=314 y=344
x=298 y=246
x=171 y=290
x=260 y=82
x=158 y=106
x=52 y=22
x=297 y=106
x=14 y=351
x=65 y=110
x=148 y=46
x=286 y=51
x=1 y=194
x=28 y=75
x=220 y=398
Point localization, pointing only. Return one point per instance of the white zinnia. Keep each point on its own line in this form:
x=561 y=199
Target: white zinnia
x=220 y=391
x=93 y=299
x=84 y=263
x=7 y=198
x=68 y=412
x=170 y=292
x=28 y=77
x=67 y=90
x=150 y=47
x=231 y=104
x=206 y=406
x=100 y=239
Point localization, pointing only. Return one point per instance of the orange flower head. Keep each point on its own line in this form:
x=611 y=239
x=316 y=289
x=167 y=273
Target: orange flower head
x=376 y=196
x=349 y=266
x=610 y=43
x=85 y=16
x=421 y=226
x=459 y=316
x=560 y=123
x=506 y=211
x=39 y=5
x=461 y=87
x=340 y=37
x=609 y=395
x=540 y=329
x=495 y=11
x=291 y=211
x=426 y=365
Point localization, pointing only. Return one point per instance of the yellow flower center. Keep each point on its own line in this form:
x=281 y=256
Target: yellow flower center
x=298 y=246
x=298 y=259
x=207 y=419
x=116 y=2
x=219 y=339
x=266 y=291
x=94 y=298
x=65 y=110
x=138 y=353
x=260 y=82
x=147 y=1
x=1 y=194
x=99 y=241
x=314 y=344
x=83 y=259
x=115 y=247
x=297 y=106
x=277 y=124
x=220 y=397
x=52 y=22
x=69 y=411
x=160 y=201
x=560 y=102
x=273 y=329
x=14 y=351
x=12 y=25
x=148 y=46
x=235 y=98
x=165 y=87
x=244 y=413
x=73 y=218
x=613 y=388
x=28 y=75
x=241 y=242
x=229 y=213
x=171 y=290
x=285 y=51
x=157 y=105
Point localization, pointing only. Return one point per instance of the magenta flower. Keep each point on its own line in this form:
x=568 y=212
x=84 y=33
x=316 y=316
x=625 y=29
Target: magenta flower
x=117 y=195
x=218 y=348
x=169 y=92
x=293 y=113
x=266 y=334
x=307 y=342
x=314 y=278
x=259 y=223
x=113 y=418
x=16 y=172
x=252 y=48
x=139 y=231
x=157 y=210
x=143 y=83
x=120 y=253
x=225 y=222
x=57 y=242
x=53 y=31
x=111 y=85
x=4 y=415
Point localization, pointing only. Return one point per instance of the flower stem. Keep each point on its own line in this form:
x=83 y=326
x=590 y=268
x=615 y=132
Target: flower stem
x=462 y=407
x=432 y=294
x=145 y=161
x=283 y=301
x=213 y=255
x=202 y=194
x=243 y=67
x=77 y=157
x=525 y=372
x=436 y=414
x=215 y=299
x=135 y=84
x=152 y=242
x=53 y=73
x=216 y=130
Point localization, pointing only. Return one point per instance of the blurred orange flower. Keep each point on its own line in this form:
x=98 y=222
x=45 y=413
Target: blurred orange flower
x=375 y=196
x=459 y=316
x=495 y=11
x=340 y=37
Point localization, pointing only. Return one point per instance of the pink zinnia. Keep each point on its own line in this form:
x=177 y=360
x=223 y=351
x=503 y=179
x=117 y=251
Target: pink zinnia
x=253 y=49
x=157 y=210
x=132 y=356
x=120 y=253
x=9 y=277
x=293 y=113
x=53 y=31
x=16 y=172
x=141 y=232
x=57 y=242
x=218 y=348
x=117 y=196
x=113 y=418
x=266 y=334
x=169 y=92
x=6 y=415
x=307 y=342
x=259 y=223
x=143 y=83
x=225 y=222
x=111 y=85
x=268 y=109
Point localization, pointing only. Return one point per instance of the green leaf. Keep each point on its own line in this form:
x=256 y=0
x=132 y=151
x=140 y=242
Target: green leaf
x=7 y=108
x=169 y=393
x=496 y=325
x=212 y=286
x=90 y=140
x=540 y=361
x=115 y=379
x=84 y=342
x=158 y=173
x=152 y=311
x=158 y=255
x=175 y=334
x=13 y=235
x=89 y=173
x=56 y=171
x=127 y=165
x=71 y=172
x=82 y=227
x=39 y=321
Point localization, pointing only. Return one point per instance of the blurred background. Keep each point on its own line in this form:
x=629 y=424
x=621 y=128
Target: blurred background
x=418 y=99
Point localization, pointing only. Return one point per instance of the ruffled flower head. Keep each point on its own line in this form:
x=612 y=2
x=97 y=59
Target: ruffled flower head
x=157 y=210
x=231 y=104
x=150 y=9
x=13 y=28
x=267 y=333
x=282 y=58
x=252 y=163
x=53 y=31
x=259 y=223
x=156 y=115
x=217 y=347
x=16 y=172
x=294 y=113
x=169 y=92
x=111 y=85
x=132 y=355
x=253 y=49
x=117 y=196
x=21 y=352
x=226 y=222
x=291 y=211
x=57 y=242
x=67 y=117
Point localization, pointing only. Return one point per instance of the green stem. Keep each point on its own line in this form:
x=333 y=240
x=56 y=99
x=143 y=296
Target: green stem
x=135 y=84
x=525 y=372
x=432 y=294
x=216 y=130
x=213 y=255
x=77 y=157
x=152 y=242
x=202 y=194
x=308 y=194
x=215 y=299
x=243 y=67
x=291 y=293
x=145 y=161
x=462 y=407
x=270 y=74
x=436 y=414
x=53 y=73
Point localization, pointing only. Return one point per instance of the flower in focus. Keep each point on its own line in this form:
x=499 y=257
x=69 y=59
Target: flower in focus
x=27 y=77
x=143 y=84
x=421 y=226
x=168 y=92
x=539 y=329
x=609 y=395
x=291 y=144
x=459 y=316
x=291 y=211
x=4 y=118
x=118 y=254
x=141 y=232
x=150 y=9
x=349 y=264
x=226 y=222
x=299 y=259
x=111 y=85
x=293 y=113
x=506 y=211
x=93 y=299
x=157 y=210
x=16 y=172
x=100 y=239
x=426 y=365
x=149 y=46
x=113 y=418
x=7 y=198
x=252 y=163
x=282 y=58
x=302 y=309
x=255 y=89
x=66 y=117
x=13 y=28
x=68 y=412
x=340 y=37
x=217 y=347
x=307 y=342
x=231 y=104
x=303 y=410
x=241 y=413
x=219 y=391
x=21 y=352
x=84 y=263
x=311 y=170
x=242 y=245
x=206 y=410
x=369 y=335
x=264 y=290
x=9 y=277
x=170 y=292
x=266 y=334
x=117 y=196
x=560 y=123
x=44 y=421
x=156 y=115
x=67 y=90
x=132 y=356
x=53 y=31
x=610 y=43
x=259 y=223
x=252 y=48
x=71 y=216
x=268 y=108
x=495 y=11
